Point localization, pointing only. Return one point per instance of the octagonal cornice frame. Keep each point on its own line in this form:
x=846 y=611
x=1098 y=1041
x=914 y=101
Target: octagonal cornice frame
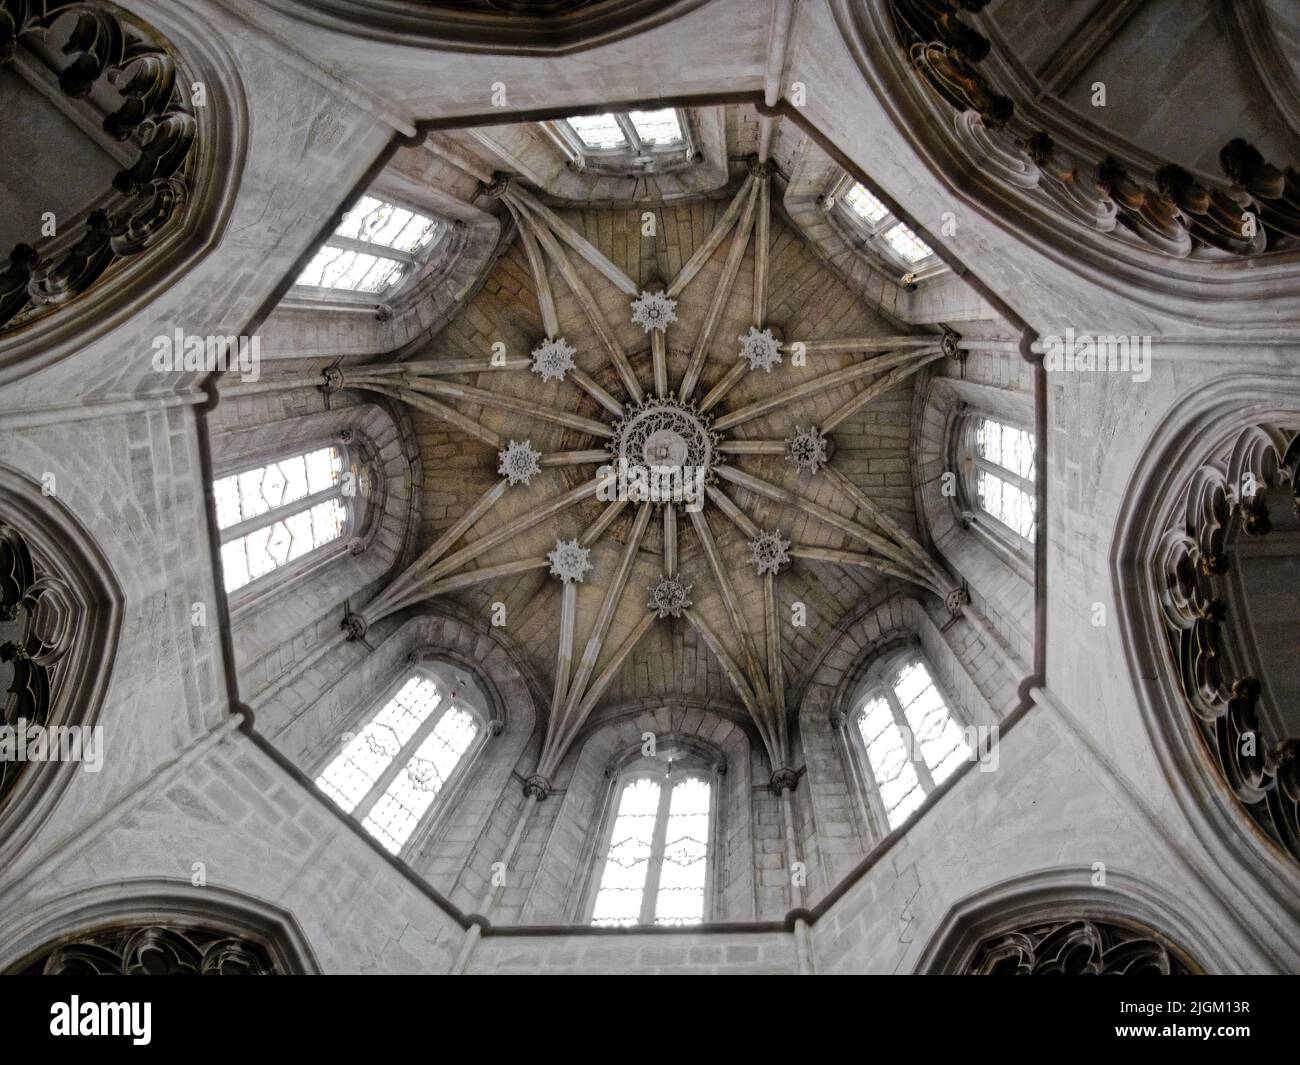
x=1177 y=289
x=500 y=32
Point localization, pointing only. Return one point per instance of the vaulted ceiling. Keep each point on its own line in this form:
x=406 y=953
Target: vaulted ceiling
x=805 y=446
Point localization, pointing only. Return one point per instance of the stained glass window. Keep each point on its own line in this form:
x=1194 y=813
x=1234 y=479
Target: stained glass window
x=389 y=773
x=273 y=514
x=1005 y=474
x=656 y=864
x=912 y=741
x=376 y=246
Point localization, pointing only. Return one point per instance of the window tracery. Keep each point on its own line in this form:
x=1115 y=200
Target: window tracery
x=374 y=251
x=277 y=513
x=656 y=862
x=389 y=774
x=905 y=735
x=638 y=141
x=890 y=240
x=999 y=464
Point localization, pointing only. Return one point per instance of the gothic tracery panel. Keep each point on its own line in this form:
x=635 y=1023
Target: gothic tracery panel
x=1245 y=717
x=1075 y=948
x=111 y=55
x=39 y=619
x=156 y=950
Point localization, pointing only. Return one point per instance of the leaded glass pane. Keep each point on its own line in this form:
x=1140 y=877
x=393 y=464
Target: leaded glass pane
x=1007 y=446
x=352 y=271
x=258 y=491
x=1007 y=502
x=348 y=779
x=627 y=862
x=938 y=741
x=660 y=128
x=397 y=812
x=895 y=776
x=601 y=132
x=863 y=204
x=683 y=877
x=907 y=244
x=376 y=222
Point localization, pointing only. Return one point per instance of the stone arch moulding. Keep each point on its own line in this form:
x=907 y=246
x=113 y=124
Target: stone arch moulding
x=1074 y=224
x=26 y=935
x=166 y=217
x=1128 y=904
x=1192 y=435
x=60 y=593
x=501 y=27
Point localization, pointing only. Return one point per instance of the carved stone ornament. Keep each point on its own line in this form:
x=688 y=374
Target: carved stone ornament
x=518 y=463
x=38 y=623
x=537 y=786
x=669 y=597
x=1255 y=746
x=552 y=359
x=654 y=310
x=156 y=950
x=769 y=553
x=1168 y=211
x=354 y=625
x=784 y=779
x=807 y=448
x=1074 y=948
x=569 y=561
x=669 y=435
x=760 y=349
x=155 y=117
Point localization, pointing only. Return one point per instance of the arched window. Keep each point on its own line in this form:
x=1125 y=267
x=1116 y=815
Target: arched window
x=656 y=863
x=890 y=240
x=906 y=736
x=999 y=464
x=376 y=249
x=275 y=514
x=632 y=141
x=388 y=775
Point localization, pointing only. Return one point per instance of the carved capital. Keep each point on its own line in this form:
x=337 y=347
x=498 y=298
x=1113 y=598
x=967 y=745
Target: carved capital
x=784 y=779
x=537 y=786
